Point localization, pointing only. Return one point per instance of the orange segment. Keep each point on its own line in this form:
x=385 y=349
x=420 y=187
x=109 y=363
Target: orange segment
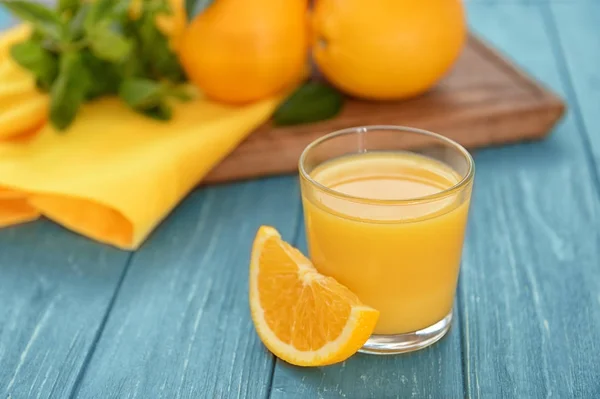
x=22 y=108
x=20 y=117
x=303 y=317
x=10 y=71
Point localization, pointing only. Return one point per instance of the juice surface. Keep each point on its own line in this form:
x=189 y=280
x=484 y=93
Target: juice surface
x=402 y=259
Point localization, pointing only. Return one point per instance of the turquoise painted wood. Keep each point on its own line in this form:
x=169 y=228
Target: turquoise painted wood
x=531 y=277
x=577 y=32
x=181 y=327
x=81 y=320
x=55 y=290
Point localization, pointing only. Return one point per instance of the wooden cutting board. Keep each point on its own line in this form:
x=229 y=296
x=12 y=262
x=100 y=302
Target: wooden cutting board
x=485 y=100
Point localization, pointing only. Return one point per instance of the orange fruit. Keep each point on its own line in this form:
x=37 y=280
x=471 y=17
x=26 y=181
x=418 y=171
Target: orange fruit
x=24 y=116
x=303 y=317
x=387 y=49
x=23 y=109
x=238 y=51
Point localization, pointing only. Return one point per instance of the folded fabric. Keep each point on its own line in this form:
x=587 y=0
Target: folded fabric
x=114 y=175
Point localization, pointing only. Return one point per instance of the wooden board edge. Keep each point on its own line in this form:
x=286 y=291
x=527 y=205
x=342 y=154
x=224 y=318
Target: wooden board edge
x=513 y=69
x=537 y=121
x=537 y=115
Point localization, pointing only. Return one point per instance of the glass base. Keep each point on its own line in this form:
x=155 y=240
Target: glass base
x=407 y=342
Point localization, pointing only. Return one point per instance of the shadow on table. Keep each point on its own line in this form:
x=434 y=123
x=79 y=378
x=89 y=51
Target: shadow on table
x=432 y=372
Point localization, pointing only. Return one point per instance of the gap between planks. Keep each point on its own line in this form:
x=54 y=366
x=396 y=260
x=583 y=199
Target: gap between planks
x=98 y=335
x=551 y=26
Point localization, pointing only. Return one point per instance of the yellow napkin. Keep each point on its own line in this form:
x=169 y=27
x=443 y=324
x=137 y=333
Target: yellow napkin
x=114 y=175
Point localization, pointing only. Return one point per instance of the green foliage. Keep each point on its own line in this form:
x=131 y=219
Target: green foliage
x=81 y=51
x=311 y=102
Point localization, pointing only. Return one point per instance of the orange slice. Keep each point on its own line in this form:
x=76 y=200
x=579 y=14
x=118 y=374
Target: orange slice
x=24 y=116
x=11 y=71
x=303 y=317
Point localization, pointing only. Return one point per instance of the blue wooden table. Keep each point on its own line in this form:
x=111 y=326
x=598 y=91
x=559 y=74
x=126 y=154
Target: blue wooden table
x=82 y=320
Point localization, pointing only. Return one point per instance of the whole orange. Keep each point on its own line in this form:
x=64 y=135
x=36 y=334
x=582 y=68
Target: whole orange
x=387 y=49
x=238 y=51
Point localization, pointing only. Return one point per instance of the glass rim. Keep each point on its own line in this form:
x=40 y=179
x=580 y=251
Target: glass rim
x=374 y=201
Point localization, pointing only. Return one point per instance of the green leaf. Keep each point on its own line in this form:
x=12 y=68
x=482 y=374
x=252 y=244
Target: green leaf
x=311 y=102
x=70 y=6
x=162 y=112
x=162 y=7
x=40 y=62
x=141 y=94
x=195 y=7
x=106 y=10
x=68 y=91
x=106 y=75
x=108 y=44
x=42 y=17
x=183 y=92
x=146 y=96
x=87 y=49
x=158 y=59
x=76 y=24
x=133 y=65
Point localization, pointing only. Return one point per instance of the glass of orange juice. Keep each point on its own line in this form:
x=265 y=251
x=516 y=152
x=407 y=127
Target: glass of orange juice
x=386 y=209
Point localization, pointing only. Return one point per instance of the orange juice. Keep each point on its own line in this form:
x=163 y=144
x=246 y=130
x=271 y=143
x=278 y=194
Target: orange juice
x=392 y=236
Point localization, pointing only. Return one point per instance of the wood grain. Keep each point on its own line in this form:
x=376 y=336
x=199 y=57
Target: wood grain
x=578 y=39
x=484 y=101
x=528 y=303
x=181 y=326
x=55 y=289
x=435 y=372
x=530 y=279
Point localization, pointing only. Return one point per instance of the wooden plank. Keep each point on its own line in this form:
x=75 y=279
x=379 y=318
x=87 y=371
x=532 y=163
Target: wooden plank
x=530 y=279
x=484 y=101
x=181 y=326
x=578 y=36
x=55 y=289
x=435 y=372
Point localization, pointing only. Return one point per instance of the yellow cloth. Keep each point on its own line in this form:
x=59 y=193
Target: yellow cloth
x=114 y=175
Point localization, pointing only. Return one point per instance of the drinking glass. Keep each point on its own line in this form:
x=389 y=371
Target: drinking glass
x=400 y=255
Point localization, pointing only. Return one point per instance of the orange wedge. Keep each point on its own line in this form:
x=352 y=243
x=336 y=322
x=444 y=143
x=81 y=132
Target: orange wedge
x=11 y=71
x=23 y=108
x=303 y=317
x=24 y=116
